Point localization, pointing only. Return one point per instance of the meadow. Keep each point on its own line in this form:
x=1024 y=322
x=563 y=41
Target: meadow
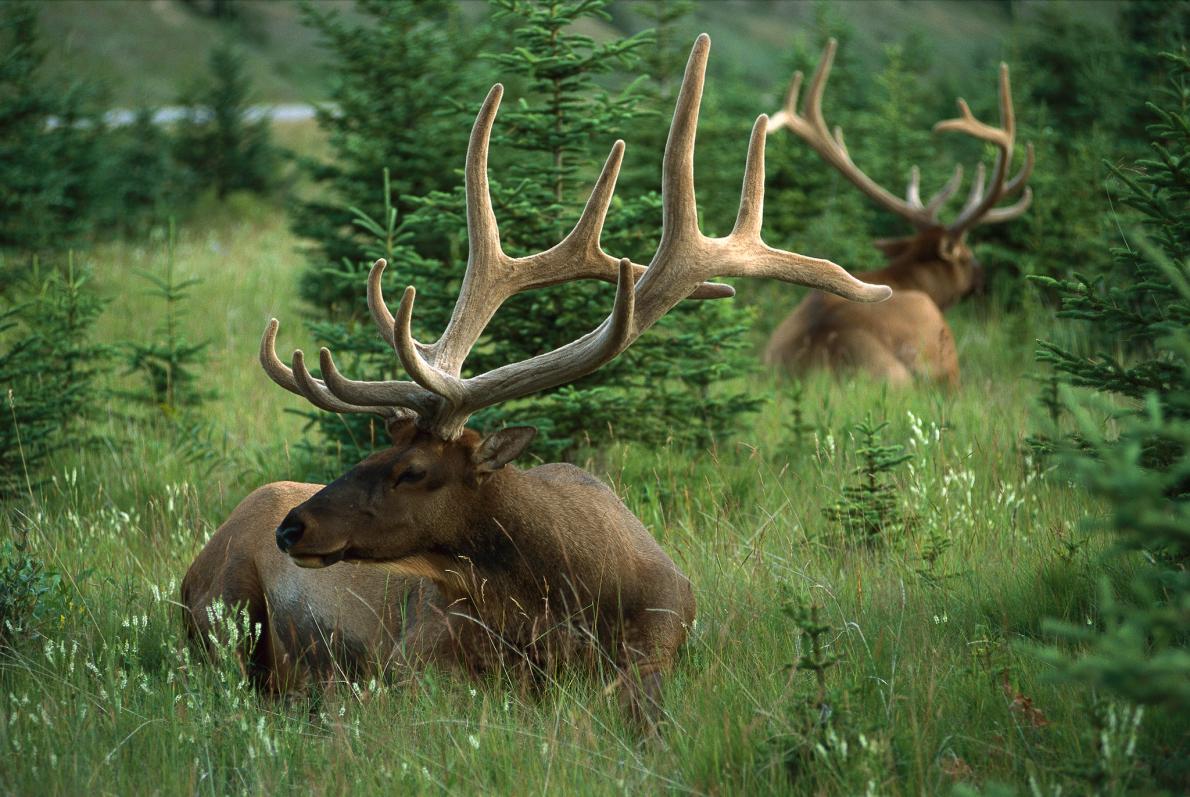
x=935 y=686
x=930 y=653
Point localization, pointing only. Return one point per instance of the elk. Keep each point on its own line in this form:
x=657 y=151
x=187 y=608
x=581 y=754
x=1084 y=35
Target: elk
x=437 y=549
x=906 y=337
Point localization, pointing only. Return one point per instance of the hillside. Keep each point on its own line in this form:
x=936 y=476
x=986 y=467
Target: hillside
x=144 y=50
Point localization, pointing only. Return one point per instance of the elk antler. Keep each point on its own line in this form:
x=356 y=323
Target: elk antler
x=811 y=127
x=684 y=259
x=980 y=207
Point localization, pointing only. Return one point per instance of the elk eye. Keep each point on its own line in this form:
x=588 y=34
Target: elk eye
x=410 y=476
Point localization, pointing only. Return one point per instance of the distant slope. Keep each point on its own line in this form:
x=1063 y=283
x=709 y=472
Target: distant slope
x=146 y=49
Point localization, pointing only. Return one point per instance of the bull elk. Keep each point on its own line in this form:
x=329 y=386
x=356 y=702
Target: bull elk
x=437 y=549
x=905 y=337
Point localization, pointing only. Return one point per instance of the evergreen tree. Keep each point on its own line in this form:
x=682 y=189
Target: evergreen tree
x=218 y=139
x=48 y=142
x=396 y=72
x=868 y=512
x=168 y=362
x=49 y=366
x=559 y=128
x=141 y=179
x=1138 y=646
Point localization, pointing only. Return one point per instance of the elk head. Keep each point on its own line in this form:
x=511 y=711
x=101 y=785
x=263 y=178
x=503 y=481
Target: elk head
x=415 y=498
x=406 y=501
x=936 y=259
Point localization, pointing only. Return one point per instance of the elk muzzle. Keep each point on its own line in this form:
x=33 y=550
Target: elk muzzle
x=290 y=531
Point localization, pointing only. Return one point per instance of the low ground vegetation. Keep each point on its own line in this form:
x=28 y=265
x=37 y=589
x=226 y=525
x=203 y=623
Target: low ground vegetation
x=897 y=590
x=930 y=684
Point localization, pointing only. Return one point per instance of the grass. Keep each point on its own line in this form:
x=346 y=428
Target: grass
x=935 y=687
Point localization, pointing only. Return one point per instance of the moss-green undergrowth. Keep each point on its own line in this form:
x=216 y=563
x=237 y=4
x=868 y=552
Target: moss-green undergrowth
x=934 y=684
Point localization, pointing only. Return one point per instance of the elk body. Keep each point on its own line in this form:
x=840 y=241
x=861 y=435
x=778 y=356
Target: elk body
x=906 y=337
x=437 y=550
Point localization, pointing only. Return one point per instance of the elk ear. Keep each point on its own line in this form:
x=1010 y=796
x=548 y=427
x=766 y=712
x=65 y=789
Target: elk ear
x=893 y=247
x=502 y=447
x=401 y=431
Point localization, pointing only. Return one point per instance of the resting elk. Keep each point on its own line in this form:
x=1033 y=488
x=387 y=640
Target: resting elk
x=906 y=337
x=437 y=549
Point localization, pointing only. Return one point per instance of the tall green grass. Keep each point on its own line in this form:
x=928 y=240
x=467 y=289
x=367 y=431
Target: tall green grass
x=935 y=686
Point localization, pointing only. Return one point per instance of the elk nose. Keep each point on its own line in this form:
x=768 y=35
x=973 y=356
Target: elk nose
x=289 y=532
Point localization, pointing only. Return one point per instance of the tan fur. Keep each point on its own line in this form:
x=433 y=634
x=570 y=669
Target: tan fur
x=519 y=571
x=898 y=341
x=304 y=616
x=905 y=338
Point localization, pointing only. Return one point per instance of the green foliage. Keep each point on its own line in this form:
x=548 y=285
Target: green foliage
x=1136 y=644
x=49 y=364
x=48 y=154
x=397 y=67
x=142 y=181
x=168 y=364
x=665 y=386
x=1074 y=63
x=815 y=735
x=869 y=511
x=33 y=595
x=1143 y=301
x=217 y=139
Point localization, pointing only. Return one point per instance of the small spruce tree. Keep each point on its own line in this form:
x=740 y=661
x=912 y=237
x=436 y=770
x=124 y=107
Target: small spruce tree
x=168 y=362
x=49 y=370
x=1137 y=645
x=869 y=511
x=218 y=140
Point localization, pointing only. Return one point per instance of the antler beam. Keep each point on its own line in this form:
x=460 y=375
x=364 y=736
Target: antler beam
x=810 y=125
x=684 y=261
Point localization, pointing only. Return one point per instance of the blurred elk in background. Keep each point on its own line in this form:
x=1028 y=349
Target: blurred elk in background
x=906 y=337
x=436 y=549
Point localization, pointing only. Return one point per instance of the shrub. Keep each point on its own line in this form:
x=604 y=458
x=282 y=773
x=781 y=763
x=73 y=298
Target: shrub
x=869 y=510
x=168 y=362
x=32 y=594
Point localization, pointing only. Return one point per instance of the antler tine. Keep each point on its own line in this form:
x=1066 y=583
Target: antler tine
x=394 y=393
x=376 y=305
x=812 y=107
x=913 y=191
x=562 y=365
x=975 y=195
x=810 y=125
x=483 y=233
x=1003 y=138
x=679 y=211
x=315 y=391
x=1009 y=212
x=298 y=380
x=945 y=192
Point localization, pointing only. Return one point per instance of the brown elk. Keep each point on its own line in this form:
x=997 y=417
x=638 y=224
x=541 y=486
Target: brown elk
x=436 y=549
x=905 y=337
